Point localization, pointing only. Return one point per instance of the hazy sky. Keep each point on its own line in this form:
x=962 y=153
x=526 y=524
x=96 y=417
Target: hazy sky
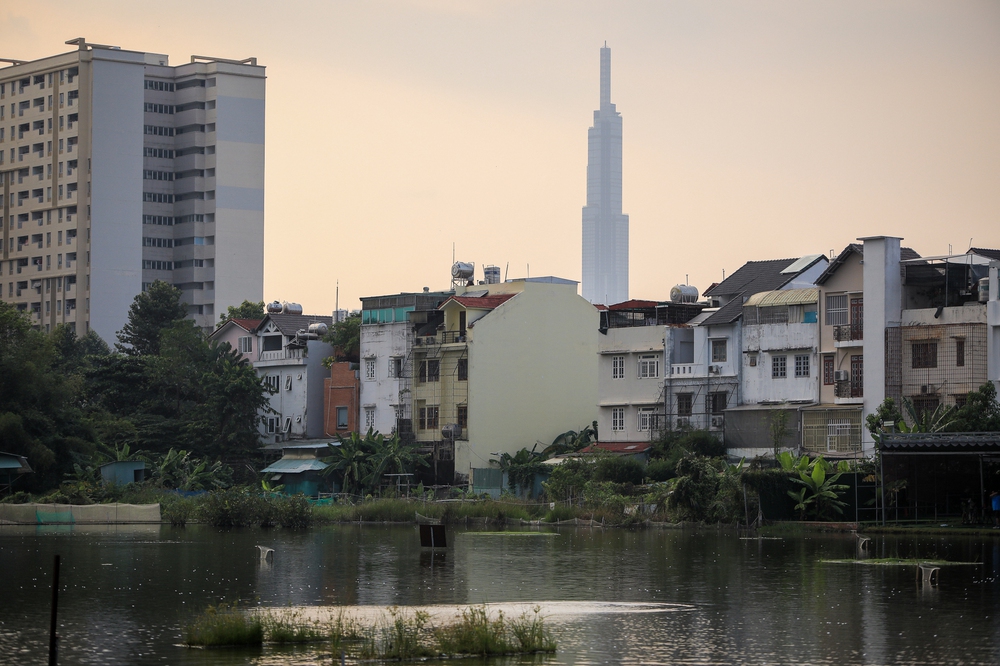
x=752 y=130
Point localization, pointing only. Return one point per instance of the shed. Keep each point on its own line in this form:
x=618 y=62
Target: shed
x=122 y=472
x=11 y=467
x=300 y=469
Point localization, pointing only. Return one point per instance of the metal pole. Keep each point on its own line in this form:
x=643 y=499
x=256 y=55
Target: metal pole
x=53 y=639
x=881 y=479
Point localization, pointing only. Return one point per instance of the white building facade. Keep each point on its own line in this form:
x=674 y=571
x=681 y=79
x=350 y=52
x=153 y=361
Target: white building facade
x=118 y=169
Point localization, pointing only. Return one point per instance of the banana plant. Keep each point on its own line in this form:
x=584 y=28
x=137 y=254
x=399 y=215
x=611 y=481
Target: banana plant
x=820 y=493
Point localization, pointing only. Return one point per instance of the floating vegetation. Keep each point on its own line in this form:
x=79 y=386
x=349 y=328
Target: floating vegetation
x=898 y=562
x=397 y=633
x=512 y=534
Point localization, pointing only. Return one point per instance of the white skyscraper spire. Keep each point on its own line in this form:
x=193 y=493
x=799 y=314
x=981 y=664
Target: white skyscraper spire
x=605 y=228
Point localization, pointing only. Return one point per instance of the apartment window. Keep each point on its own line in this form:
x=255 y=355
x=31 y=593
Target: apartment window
x=836 y=310
x=618 y=419
x=463 y=369
x=430 y=371
x=462 y=416
x=925 y=404
x=959 y=352
x=717 y=402
x=157 y=242
x=288 y=382
x=645 y=420
x=245 y=344
x=395 y=367
x=924 y=355
x=617 y=367
x=157 y=130
x=272 y=425
x=719 y=348
x=158 y=85
x=147 y=264
x=150 y=107
x=779 y=369
x=342 y=418
x=801 y=365
x=752 y=359
x=685 y=404
x=369 y=369
x=428 y=418
x=828 y=370
x=271 y=382
x=649 y=366
x=369 y=418
x=288 y=424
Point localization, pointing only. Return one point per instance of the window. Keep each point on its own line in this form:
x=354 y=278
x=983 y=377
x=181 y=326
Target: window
x=752 y=360
x=646 y=418
x=801 y=365
x=271 y=382
x=961 y=400
x=463 y=369
x=924 y=355
x=925 y=404
x=717 y=402
x=272 y=425
x=959 y=353
x=685 y=404
x=271 y=343
x=369 y=417
x=342 y=418
x=649 y=366
x=779 y=368
x=463 y=416
x=617 y=367
x=150 y=107
x=369 y=369
x=288 y=424
x=428 y=418
x=618 y=419
x=245 y=344
x=828 y=370
x=430 y=371
x=836 y=310
x=719 y=348
x=288 y=382
x=395 y=367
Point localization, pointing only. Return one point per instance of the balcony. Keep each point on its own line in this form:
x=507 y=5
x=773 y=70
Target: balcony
x=847 y=392
x=848 y=335
x=442 y=338
x=283 y=354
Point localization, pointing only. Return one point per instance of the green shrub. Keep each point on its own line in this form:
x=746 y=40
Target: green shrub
x=619 y=469
x=661 y=470
x=291 y=511
x=225 y=624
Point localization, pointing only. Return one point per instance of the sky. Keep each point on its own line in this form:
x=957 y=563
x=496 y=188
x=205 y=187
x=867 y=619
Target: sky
x=399 y=130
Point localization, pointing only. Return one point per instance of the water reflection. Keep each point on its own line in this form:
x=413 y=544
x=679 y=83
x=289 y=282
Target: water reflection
x=128 y=591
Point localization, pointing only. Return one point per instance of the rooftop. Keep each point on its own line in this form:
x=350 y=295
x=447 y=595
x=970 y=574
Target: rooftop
x=290 y=324
x=487 y=302
x=751 y=278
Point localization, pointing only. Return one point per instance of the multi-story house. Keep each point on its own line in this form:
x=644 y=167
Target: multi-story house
x=117 y=169
x=706 y=357
x=511 y=365
x=631 y=366
x=241 y=336
x=388 y=326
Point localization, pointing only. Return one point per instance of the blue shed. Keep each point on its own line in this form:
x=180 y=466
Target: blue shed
x=301 y=470
x=12 y=466
x=123 y=472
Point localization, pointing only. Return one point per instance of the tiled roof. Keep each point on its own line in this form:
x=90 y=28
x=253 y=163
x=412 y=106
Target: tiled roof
x=290 y=324
x=487 y=302
x=751 y=278
x=985 y=252
x=247 y=324
x=634 y=305
x=905 y=253
x=630 y=448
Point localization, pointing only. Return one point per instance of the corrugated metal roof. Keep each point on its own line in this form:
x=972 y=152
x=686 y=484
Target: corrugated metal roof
x=295 y=466
x=940 y=442
x=766 y=299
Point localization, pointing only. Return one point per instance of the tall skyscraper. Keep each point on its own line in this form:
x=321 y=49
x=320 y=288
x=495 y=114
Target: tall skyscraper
x=116 y=170
x=605 y=228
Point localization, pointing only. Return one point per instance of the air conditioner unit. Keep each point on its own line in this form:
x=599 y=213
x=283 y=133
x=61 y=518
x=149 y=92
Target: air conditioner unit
x=451 y=431
x=926 y=388
x=841 y=375
x=718 y=421
x=714 y=369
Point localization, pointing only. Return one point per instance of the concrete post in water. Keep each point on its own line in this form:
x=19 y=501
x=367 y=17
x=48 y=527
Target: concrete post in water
x=53 y=640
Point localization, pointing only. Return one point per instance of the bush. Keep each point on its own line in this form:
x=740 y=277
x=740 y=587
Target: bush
x=661 y=470
x=225 y=624
x=619 y=469
x=235 y=507
x=568 y=479
x=292 y=511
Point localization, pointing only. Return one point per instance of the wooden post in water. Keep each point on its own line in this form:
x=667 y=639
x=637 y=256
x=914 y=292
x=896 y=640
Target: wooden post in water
x=53 y=639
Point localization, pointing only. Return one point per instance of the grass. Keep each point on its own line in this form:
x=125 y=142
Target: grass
x=897 y=562
x=397 y=635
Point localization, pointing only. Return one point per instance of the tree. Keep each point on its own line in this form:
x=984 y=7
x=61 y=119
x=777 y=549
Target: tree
x=345 y=338
x=245 y=310
x=779 y=429
x=980 y=413
x=350 y=459
x=151 y=313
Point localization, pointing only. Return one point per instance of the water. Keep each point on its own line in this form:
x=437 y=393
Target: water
x=128 y=591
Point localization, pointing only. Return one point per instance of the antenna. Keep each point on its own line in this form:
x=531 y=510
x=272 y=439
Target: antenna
x=528 y=269
x=336 y=305
x=453 y=252
x=687 y=279
x=505 y=271
x=970 y=243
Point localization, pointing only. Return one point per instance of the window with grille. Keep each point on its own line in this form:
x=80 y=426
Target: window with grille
x=959 y=353
x=369 y=368
x=271 y=382
x=430 y=371
x=779 y=367
x=719 y=351
x=618 y=419
x=645 y=420
x=463 y=369
x=717 y=402
x=802 y=365
x=828 y=370
x=924 y=355
x=836 y=310
x=463 y=416
x=428 y=418
x=369 y=417
x=649 y=366
x=685 y=404
x=617 y=367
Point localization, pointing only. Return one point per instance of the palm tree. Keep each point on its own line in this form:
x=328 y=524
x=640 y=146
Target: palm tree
x=350 y=459
x=391 y=456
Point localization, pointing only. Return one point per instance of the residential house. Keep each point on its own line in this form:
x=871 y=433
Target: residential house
x=631 y=366
x=240 y=334
x=341 y=399
x=511 y=365
x=300 y=470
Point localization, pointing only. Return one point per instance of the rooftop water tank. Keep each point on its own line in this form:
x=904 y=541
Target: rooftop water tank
x=291 y=308
x=492 y=274
x=462 y=271
x=683 y=293
x=318 y=328
x=274 y=307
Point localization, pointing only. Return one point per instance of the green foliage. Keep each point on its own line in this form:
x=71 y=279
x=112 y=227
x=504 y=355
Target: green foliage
x=675 y=445
x=567 y=480
x=360 y=462
x=522 y=468
x=241 y=507
x=151 y=312
x=819 y=496
x=571 y=441
x=887 y=412
x=225 y=624
x=619 y=469
x=981 y=412
x=479 y=633
x=179 y=470
x=926 y=421
x=245 y=310
x=345 y=338
x=778 y=428
x=661 y=470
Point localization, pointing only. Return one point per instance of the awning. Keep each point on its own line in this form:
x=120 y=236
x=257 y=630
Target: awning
x=766 y=299
x=953 y=443
x=294 y=466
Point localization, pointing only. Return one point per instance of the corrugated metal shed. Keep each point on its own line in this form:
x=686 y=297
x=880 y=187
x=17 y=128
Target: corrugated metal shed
x=295 y=466
x=766 y=299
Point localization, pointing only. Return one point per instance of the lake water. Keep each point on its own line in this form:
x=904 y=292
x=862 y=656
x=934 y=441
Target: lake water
x=128 y=591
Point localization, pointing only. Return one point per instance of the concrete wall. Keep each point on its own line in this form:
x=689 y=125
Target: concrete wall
x=768 y=341
x=383 y=342
x=341 y=389
x=882 y=308
x=847 y=280
x=629 y=392
x=532 y=373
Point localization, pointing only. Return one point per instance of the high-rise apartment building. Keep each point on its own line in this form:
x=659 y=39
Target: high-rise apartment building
x=605 y=228
x=116 y=170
